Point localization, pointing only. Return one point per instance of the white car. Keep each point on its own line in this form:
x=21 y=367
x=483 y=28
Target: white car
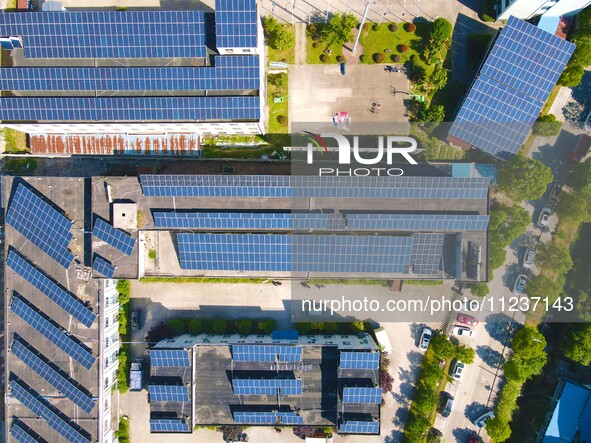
x=528 y=258
x=458 y=370
x=470 y=305
x=425 y=338
x=462 y=331
x=544 y=217
x=480 y=422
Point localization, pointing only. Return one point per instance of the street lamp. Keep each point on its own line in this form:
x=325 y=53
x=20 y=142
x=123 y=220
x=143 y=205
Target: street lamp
x=261 y=289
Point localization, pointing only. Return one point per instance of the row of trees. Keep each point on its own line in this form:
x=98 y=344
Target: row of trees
x=124 y=291
x=581 y=58
x=278 y=37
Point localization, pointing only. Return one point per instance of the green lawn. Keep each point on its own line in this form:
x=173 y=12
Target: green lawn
x=16 y=141
x=287 y=55
x=313 y=54
x=276 y=109
x=375 y=42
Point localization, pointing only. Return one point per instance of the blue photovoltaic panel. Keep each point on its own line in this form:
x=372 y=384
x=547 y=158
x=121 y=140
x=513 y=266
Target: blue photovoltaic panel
x=266 y=353
x=169 y=357
x=236 y=23
x=108 y=34
x=295 y=253
x=169 y=425
x=52 y=332
x=41 y=224
x=103 y=267
x=427 y=253
x=267 y=387
x=42 y=408
x=113 y=236
x=268 y=418
x=23 y=434
x=129 y=108
x=360 y=427
x=527 y=58
x=362 y=395
x=168 y=393
x=239 y=73
x=55 y=377
x=309 y=186
x=64 y=299
x=417 y=222
x=360 y=360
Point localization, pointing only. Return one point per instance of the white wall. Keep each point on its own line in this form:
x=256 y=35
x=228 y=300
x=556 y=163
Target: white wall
x=525 y=9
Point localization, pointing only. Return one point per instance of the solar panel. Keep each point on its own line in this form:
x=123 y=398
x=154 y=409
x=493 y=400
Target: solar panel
x=362 y=395
x=295 y=253
x=268 y=418
x=23 y=434
x=266 y=353
x=52 y=332
x=41 y=407
x=129 y=108
x=168 y=425
x=360 y=360
x=360 y=427
x=108 y=34
x=427 y=253
x=103 y=267
x=267 y=386
x=41 y=224
x=236 y=23
x=169 y=357
x=57 y=378
x=168 y=393
x=417 y=222
x=113 y=236
x=64 y=299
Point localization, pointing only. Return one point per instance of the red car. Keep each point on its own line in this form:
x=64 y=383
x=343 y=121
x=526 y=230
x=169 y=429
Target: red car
x=472 y=439
x=467 y=319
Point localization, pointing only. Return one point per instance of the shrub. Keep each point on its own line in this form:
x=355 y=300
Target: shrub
x=402 y=48
x=479 y=289
x=124 y=289
x=282 y=119
x=378 y=57
x=219 y=326
x=375 y=27
x=365 y=26
x=410 y=27
x=315 y=38
x=123 y=370
x=194 y=326
x=357 y=326
x=323 y=58
x=386 y=381
x=158 y=332
x=363 y=58
x=486 y=18
x=341 y=59
x=393 y=27
x=152 y=254
x=312 y=29
x=267 y=326
x=177 y=326
x=395 y=58
x=304 y=431
x=123 y=319
x=122 y=433
x=316 y=44
x=303 y=327
x=244 y=327
x=330 y=328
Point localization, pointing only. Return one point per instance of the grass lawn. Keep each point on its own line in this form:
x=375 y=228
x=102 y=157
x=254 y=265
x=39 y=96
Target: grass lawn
x=550 y=100
x=383 y=39
x=276 y=109
x=16 y=141
x=313 y=54
x=287 y=55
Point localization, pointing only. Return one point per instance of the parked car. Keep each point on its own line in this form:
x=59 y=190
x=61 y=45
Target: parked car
x=555 y=193
x=519 y=285
x=446 y=403
x=135 y=319
x=544 y=217
x=528 y=258
x=470 y=305
x=458 y=370
x=473 y=439
x=480 y=422
x=462 y=331
x=434 y=436
x=343 y=68
x=425 y=338
x=467 y=319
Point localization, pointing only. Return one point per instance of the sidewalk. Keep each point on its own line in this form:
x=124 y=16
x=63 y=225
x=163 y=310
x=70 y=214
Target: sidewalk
x=301 y=48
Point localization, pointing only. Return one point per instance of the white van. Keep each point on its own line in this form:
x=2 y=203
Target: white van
x=383 y=340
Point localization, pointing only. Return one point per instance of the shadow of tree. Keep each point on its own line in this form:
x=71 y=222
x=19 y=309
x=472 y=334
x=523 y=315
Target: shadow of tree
x=490 y=356
x=463 y=434
x=497 y=326
x=474 y=410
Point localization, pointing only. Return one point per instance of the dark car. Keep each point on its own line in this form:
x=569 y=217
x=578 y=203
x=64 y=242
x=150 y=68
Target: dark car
x=135 y=319
x=343 y=68
x=446 y=403
x=391 y=69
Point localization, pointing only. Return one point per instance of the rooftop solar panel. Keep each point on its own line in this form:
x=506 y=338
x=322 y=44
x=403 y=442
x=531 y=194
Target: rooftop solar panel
x=360 y=427
x=427 y=253
x=268 y=418
x=267 y=386
x=360 y=360
x=42 y=408
x=266 y=353
x=41 y=224
x=56 y=377
x=168 y=393
x=362 y=395
x=236 y=23
x=169 y=357
x=23 y=434
x=113 y=236
x=52 y=332
x=417 y=222
x=103 y=267
x=108 y=34
x=168 y=425
x=64 y=299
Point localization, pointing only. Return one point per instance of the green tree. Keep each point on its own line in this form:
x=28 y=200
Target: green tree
x=245 y=327
x=194 y=326
x=219 y=326
x=572 y=75
x=438 y=78
x=575 y=207
x=554 y=256
x=439 y=34
x=425 y=401
x=479 y=289
x=528 y=342
x=524 y=178
x=278 y=80
x=281 y=39
x=330 y=328
x=547 y=126
x=582 y=54
x=124 y=289
x=358 y=326
x=581 y=176
x=498 y=429
x=433 y=114
x=442 y=347
x=519 y=369
x=507 y=223
x=577 y=343
x=465 y=354
x=270 y=25
x=339 y=29
x=178 y=326
x=541 y=286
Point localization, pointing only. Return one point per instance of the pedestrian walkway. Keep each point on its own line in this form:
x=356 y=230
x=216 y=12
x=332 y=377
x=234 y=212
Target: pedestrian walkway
x=301 y=50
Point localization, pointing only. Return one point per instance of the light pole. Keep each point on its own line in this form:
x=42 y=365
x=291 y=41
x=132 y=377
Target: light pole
x=360 y=26
x=261 y=289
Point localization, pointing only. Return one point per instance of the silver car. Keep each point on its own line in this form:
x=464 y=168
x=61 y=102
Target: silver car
x=462 y=331
x=544 y=217
x=458 y=370
x=425 y=338
x=528 y=258
x=519 y=285
x=480 y=422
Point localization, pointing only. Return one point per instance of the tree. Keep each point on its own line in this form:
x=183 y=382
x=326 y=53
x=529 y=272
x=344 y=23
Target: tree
x=465 y=354
x=278 y=80
x=194 y=326
x=410 y=27
x=519 y=369
x=577 y=343
x=575 y=207
x=438 y=78
x=439 y=35
x=219 y=326
x=498 y=429
x=339 y=29
x=572 y=75
x=507 y=223
x=425 y=401
x=303 y=327
x=479 y=289
x=386 y=381
x=554 y=257
x=378 y=57
x=524 y=178
x=281 y=39
x=547 y=126
x=330 y=328
x=442 y=347
x=358 y=326
x=124 y=289
x=433 y=114
x=541 y=286
x=267 y=326
x=159 y=332
x=528 y=342
x=581 y=176
x=177 y=326
x=244 y=327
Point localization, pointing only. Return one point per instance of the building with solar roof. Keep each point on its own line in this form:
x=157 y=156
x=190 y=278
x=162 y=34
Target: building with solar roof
x=510 y=90
x=148 y=81
x=282 y=379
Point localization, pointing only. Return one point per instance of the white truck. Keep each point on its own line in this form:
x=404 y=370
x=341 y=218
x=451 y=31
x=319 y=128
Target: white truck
x=135 y=377
x=383 y=340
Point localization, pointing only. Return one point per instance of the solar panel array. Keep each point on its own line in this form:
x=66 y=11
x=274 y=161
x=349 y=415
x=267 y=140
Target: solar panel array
x=108 y=34
x=42 y=408
x=23 y=434
x=236 y=23
x=64 y=299
x=514 y=83
x=113 y=236
x=417 y=222
x=55 y=377
x=268 y=418
x=129 y=108
x=242 y=73
x=427 y=253
x=41 y=224
x=266 y=353
x=52 y=332
x=362 y=395
x=169 y=425
x=360 y=427
x=295 y=253
x=169 y=357
x=103 y=267
x=267 y=387
x=168 y=393
x=318 y=187
x=360 y=360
